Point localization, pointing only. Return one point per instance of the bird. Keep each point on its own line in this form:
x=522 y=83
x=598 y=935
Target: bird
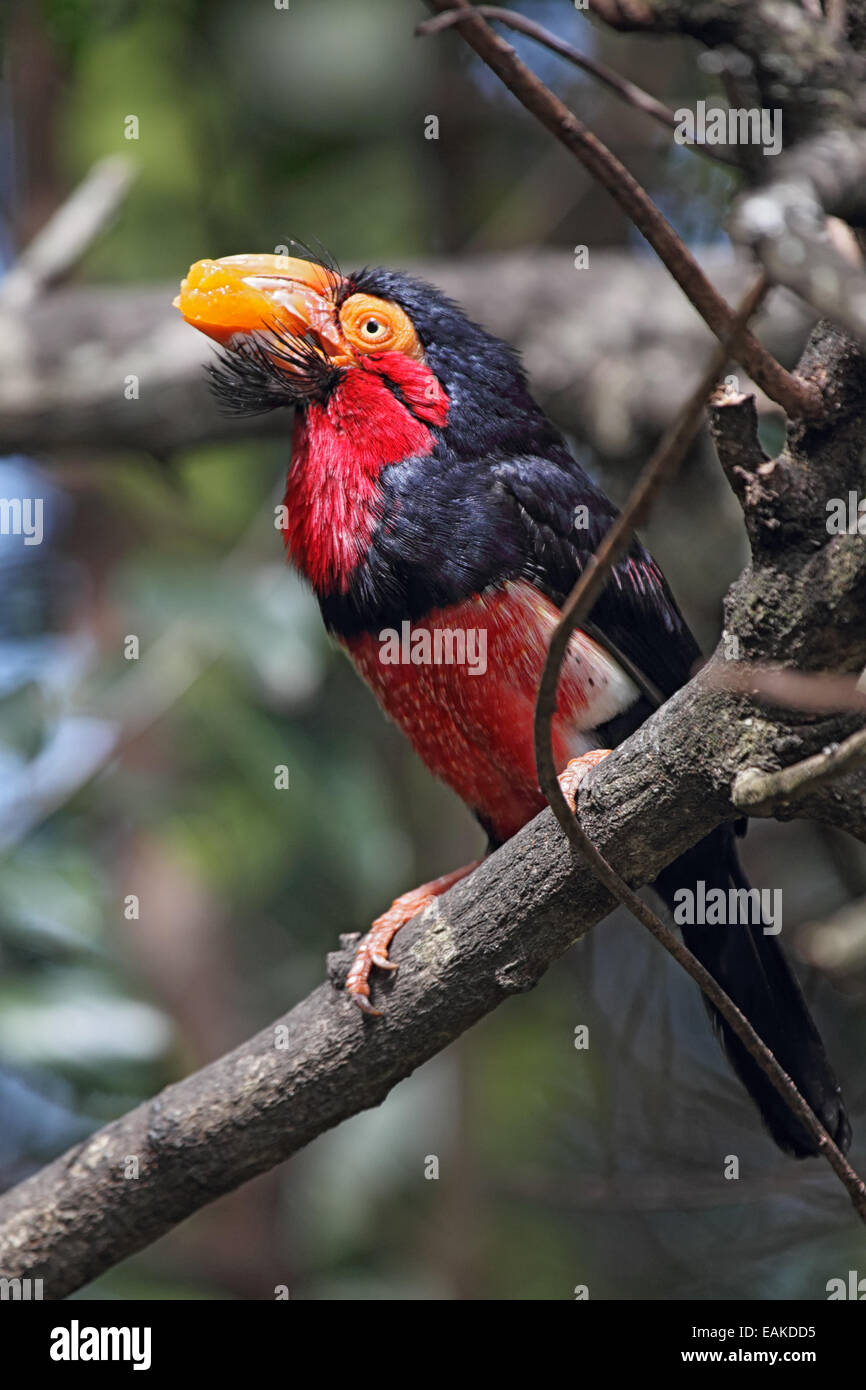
x=437 y=512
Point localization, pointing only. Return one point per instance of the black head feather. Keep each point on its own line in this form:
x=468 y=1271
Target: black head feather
x=491 y=410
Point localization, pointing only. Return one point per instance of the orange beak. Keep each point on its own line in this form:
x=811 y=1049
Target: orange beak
x=240 y=295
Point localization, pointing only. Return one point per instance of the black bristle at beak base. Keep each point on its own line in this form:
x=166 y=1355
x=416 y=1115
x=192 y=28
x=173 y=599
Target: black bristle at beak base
x=249 y=380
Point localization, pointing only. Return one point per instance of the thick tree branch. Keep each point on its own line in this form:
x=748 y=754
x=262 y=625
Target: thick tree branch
x=492 y=936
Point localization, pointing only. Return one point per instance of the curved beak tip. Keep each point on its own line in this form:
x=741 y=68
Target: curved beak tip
x=248 y=293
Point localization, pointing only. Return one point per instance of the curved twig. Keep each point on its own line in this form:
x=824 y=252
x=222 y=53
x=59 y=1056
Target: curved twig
x=796 y=396
x=629 y=91
x=662 y=466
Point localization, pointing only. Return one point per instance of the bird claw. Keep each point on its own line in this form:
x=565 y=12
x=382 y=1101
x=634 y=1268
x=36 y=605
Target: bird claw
x=372 y=949
x=383 y=962
x=575 y=771
x=363 y=1003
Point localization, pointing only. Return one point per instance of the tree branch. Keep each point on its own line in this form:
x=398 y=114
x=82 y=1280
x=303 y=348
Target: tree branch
x=577 y=608
x=69 y=233
x=763 y=793
x=63 y=362
x=806 y=69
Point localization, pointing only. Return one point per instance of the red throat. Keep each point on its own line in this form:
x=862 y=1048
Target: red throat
x=339 y=449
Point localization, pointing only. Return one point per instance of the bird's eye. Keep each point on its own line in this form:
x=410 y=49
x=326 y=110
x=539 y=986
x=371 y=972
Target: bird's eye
x=378 y=325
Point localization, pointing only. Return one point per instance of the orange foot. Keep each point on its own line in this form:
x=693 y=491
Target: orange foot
x=576 y=770
x=373 y=949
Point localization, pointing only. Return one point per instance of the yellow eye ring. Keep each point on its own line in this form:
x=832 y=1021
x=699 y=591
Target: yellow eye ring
x=377 y=325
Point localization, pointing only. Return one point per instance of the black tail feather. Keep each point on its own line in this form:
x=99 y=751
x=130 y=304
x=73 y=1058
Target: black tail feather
x=752 y=969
